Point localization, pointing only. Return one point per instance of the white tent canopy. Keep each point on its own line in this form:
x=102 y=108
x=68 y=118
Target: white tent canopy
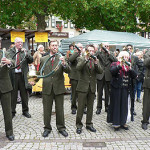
x=112 y=37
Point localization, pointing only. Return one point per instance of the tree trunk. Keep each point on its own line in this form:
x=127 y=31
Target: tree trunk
x=41 y=25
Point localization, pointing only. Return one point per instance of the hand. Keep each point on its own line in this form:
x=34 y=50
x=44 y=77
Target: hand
x=62 y=60
x=95 y=60
x=5 y=61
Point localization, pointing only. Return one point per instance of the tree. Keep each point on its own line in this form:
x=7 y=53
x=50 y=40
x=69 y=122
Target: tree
x=117 y=15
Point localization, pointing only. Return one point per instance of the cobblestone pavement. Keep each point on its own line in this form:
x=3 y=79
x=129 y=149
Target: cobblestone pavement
x=28 y=131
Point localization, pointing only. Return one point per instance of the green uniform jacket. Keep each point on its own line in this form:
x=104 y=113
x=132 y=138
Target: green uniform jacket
x=5 y=82
x=56 y=80
x=105 y=61
x=74 y=73
x=87 y=76
x=24 y=65
x=146 y=83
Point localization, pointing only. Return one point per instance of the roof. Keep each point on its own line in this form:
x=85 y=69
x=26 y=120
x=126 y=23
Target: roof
x=112 y=37
x=5 y=33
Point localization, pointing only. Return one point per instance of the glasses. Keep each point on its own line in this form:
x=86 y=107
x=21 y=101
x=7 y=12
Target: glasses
x=106 y=45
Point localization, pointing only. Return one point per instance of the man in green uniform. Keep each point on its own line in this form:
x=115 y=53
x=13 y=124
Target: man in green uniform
x=146 y=97
x=74 y=75
x=103 y=80
x=19 y=76
x=87 y=67
x=5 y=93
x=54 y=89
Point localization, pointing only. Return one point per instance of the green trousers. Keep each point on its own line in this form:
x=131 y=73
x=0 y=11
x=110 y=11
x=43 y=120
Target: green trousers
x=6 y=107
x=146 y=105
x=59 y=108
x=84 y=97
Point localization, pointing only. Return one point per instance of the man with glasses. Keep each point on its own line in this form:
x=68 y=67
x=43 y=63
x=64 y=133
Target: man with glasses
x=133 y=60
x=103 y=80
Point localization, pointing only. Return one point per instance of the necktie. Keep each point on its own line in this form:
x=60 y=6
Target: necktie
x=18 y=61
x=90 y=63
x=52 y=61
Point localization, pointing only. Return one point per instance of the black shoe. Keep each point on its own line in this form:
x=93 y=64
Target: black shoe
x=46 y=133
x=10 y=137
x=116 y=128
x=134 y=113
x=79 y=130
x=20 y=102
x=64 y=133
x=144 y=126
x=92 y=129
x=13 y=115
x=73 y=111
x=26 y=114
x=98 y=111
x=85 y=111
x=125 y=127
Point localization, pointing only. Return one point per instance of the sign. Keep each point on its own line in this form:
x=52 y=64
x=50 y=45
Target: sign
x=41 y=37
x=59 y=34
x=17 y=34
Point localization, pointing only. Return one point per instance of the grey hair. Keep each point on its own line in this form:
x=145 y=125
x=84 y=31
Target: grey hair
x=18 y=39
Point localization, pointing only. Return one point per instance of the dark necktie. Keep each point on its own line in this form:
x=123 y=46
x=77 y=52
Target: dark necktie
x=90 y=63
x=18 y=61
x=52 y=61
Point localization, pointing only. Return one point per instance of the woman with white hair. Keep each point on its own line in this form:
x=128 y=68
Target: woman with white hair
x=37 y=55
x=118 y=109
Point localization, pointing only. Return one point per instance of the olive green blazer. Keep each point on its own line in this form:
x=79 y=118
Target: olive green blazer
x=105 y=61
x=56 y=80
x=5 y=82
x=74 y=73
x=87 y=76
x=146 y=83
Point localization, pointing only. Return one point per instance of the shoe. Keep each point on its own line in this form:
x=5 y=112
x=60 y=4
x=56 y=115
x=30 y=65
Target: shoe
x=92 y=129
x=139 y=100
x=26 y=114
x=116 y=128
x=46 y=133
x=98 y=111
x=73 y=111
x=125 y=127
x=106 y=109
x=10 y=137
x=79 y=130
x=20 y=102
x=134 y=113
x=144 y=126
x=13 y=115
x=64 y=133
x=85 y=111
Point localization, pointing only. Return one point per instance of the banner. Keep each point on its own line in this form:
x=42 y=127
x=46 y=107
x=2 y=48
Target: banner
x=41 y=37
x=17 y=34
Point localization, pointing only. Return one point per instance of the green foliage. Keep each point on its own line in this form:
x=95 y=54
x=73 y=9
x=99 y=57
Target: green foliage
x=117 y=15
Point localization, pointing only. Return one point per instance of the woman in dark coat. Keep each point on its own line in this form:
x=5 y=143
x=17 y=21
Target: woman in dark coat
x=118 y=108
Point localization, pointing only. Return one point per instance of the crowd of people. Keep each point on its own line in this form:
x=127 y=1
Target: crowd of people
x=122 y=75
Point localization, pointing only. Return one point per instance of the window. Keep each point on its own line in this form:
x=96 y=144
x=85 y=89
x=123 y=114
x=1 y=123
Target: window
x=59 y=23
x=71 y=25
x=65 y=24
x=53 y=22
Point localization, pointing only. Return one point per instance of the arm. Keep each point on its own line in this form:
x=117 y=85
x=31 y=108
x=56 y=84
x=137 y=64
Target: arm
x=81 y=63
x=74 y=56
x=114 y=69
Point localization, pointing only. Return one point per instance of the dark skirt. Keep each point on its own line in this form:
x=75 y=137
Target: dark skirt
x=118 y=107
